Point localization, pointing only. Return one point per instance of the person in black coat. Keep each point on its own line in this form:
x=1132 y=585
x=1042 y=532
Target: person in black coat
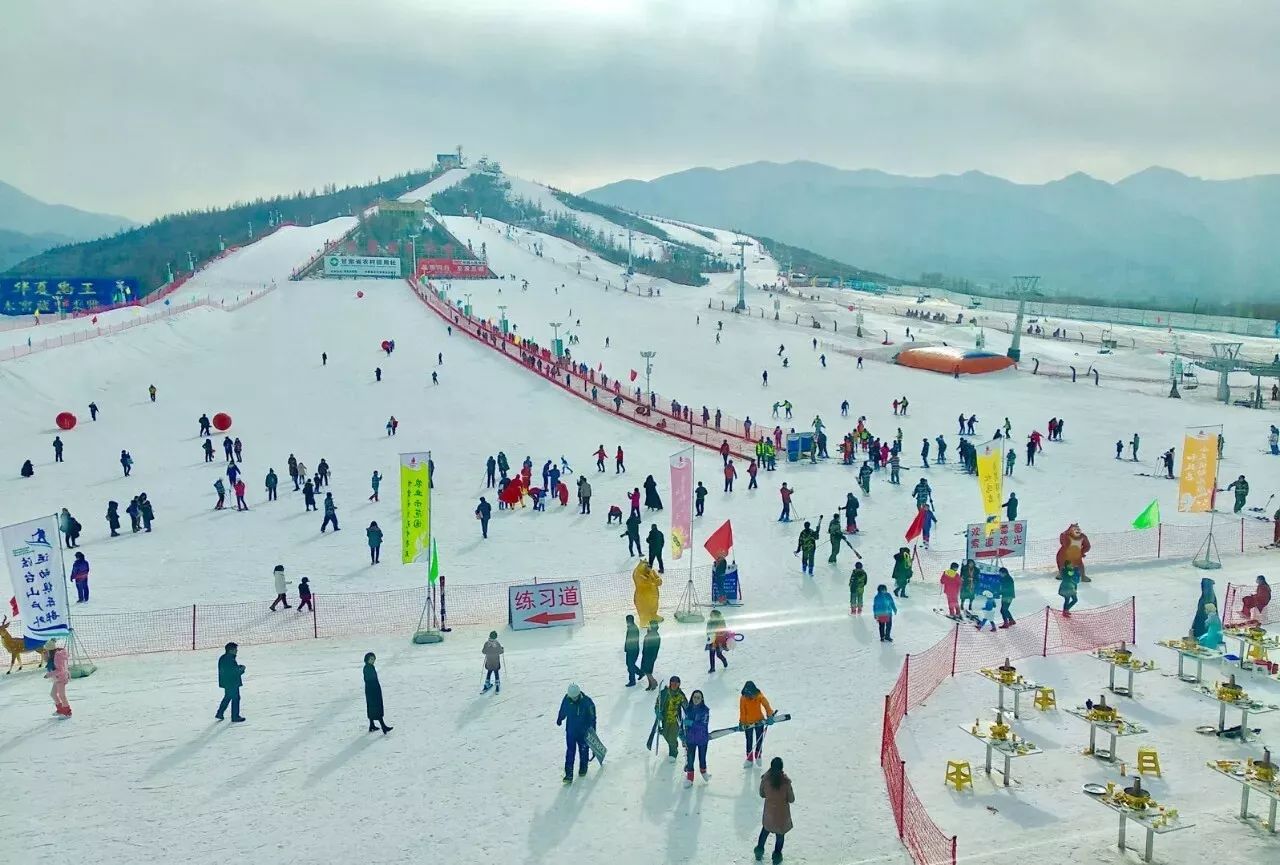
x=631 y=648
x=649 y=655
x=230 y=675
x=27 y=469
x=373 y=695
x=113 y=518
x=655 y=541
x=652 y=500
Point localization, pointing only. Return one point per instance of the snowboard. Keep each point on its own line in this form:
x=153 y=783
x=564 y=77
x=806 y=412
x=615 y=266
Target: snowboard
x=965 y=615
x=725 y=731
x=598 y=750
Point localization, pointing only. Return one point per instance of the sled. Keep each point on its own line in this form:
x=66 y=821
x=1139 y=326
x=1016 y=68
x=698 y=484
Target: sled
x=725 y=731
x=598 y=750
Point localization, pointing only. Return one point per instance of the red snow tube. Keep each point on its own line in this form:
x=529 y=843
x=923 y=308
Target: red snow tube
x=222 y=421
x=386 y=344
x=65 y=420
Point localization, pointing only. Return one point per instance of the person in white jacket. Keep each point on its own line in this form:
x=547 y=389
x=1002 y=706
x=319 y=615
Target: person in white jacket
x=281 y=586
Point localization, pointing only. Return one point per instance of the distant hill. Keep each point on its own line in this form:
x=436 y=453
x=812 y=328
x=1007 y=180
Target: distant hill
x=1156 y=237
x=28 y=226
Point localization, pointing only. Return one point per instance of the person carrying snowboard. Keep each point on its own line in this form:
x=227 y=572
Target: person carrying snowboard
x=857 y=586
x=805 y=548
x=668 y=710
x=754 y=715
x=578 y=715
x=492 y=651
x=239 y=490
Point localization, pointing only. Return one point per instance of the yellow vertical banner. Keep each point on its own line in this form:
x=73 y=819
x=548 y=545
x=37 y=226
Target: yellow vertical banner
x=991 y=484
x=415 y=505
x=1199 y=472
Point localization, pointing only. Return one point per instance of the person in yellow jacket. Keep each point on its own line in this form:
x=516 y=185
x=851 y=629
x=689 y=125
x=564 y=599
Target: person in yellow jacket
x=669 y=709
x=754 y=713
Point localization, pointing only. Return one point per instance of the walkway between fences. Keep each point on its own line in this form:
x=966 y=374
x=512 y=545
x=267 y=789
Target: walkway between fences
x=580 y=380
x=966 y=650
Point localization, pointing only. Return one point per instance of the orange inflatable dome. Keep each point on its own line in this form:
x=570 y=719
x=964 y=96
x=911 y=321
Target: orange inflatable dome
x=941 y=358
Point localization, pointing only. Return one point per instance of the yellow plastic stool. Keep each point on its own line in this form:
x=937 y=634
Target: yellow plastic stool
x=959 y=774
x=1258 y=653
x=1046 y=699
x=1149 y=762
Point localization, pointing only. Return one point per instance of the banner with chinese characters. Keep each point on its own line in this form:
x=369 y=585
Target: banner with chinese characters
x=681 y=501
x=415 y=505
x=1199 y=471
x=34 y=554
x=453 y=268
x=1008 y=539
x=26 y=295
x=991 y=483
x=544 y=605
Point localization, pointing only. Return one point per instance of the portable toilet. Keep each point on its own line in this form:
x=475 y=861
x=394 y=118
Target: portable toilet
x=793 y=447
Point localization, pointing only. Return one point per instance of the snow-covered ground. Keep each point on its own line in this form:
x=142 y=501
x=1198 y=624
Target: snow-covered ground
x=463 y=780
x=449 y=178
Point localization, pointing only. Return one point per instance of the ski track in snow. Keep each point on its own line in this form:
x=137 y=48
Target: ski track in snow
x=471 y=777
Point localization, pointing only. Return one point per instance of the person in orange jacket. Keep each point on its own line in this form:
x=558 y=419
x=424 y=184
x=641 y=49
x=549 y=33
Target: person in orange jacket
x=729 y=474
x=754 y=713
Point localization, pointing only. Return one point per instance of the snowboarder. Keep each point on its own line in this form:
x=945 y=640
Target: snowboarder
x=304 y=595
x=492 y=651
x=857 y=587
x=700 y=497
x=330 y=514
x=113 y=518
x=901 y=571
x=805 y=547
x=281 y=586
x=80 y=576
x=777 y=793
x=754 y=715
x=649 y=648
x=271 y=482
x=1241 y=487
x=374 y=535
x=230 y=676
x=578 y=715
x=668 y=710
x=631 y=651
x=697 y=722
x=373 y=695
x=655 y=541
x=483 y=511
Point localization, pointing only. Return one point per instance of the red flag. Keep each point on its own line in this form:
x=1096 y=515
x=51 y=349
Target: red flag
x=720 y=541
x=634 y=374
x=917 y=526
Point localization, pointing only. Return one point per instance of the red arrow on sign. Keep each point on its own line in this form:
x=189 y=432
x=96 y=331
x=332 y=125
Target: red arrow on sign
x=548 y=618
x=992 y=554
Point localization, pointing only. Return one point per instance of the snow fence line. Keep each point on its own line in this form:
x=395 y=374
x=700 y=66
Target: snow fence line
x=210 y=626
x=966 y=650
x=566 y=374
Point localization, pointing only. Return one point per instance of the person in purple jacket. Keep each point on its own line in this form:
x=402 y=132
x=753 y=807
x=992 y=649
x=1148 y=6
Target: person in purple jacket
x=697 y=721
x=80 y=576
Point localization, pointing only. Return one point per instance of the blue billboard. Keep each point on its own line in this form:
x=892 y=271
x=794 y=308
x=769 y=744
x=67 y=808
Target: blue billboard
x=25 y=295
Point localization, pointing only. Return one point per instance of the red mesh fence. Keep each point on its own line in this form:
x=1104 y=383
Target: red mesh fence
x=965 y=649
x=610 y=394
x=1232 y=611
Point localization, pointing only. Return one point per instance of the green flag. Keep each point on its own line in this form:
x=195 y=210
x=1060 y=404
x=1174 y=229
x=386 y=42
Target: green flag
x=1149 y=518
x=433 y=574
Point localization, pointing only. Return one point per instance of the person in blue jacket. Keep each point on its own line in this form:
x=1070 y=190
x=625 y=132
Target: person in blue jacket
x=883 y=608
x=697 y=723
x=578 y=715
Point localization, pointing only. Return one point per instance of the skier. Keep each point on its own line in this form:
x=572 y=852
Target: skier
x=80 y=576
x=857 y=587
x=374 y=535
x=987 y=612
x=777 y=793
x=632 y=534
x=304 y=595
x=924 y=452
x=950 y=582
x=272 y=481
x=717 y=635
x=208 y=450
x=805 y=547
x=1006 y=598
x=631 y=650
x=927 y=521
x=483 y=512
x=835 y=534
x=373 y=695
x=864 y=478
x=330 y=514
x=1011 y=506
x=492 y=651
x=1167 y=459
x=578 y=714
x=281 y=585
x=655 y=541
x=126 y=462
x=649 y=649
x=57 y=449
x=697 y=721
x=113 y=518
x=93 y=411
x=1241 y=487
x=668 y=710
x=901 y=571
x=309 y=495
x=700 y=496
x=228 y=448
x=754 y=715
x=786 y=494
x=942 y=450
x=729 y=474
x=895 y=466
x=923 y=493
x=238 y=487
x=58 y=672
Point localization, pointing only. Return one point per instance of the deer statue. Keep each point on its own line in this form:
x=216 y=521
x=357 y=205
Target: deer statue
x=13 y=645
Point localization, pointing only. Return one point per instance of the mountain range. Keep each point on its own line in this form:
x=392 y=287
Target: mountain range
x=1155 y=236
x=29 y=226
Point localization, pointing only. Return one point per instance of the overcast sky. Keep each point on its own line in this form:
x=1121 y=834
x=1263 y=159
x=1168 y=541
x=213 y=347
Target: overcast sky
x=140 y=107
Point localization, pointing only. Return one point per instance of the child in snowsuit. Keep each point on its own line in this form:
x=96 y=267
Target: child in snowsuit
x=857 y=586
x=883 y=608
x=492 y=652
x=987 y=614
x=58 y=672
x=304 y=596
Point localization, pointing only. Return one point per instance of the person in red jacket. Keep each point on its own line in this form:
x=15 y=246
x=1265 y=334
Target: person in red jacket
x=785 y=492
x=601 y=456
x=729 y=474
x=752 y=469
x=724 y=451
x=634 y=498
x=239 y=488
x=619 y=467
x=1257 y=602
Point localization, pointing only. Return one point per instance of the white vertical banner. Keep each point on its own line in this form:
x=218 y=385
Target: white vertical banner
x=34 y=555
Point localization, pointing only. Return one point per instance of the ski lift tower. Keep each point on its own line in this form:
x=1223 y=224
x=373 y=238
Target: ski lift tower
x=1023 y=287
x=741 y=305
x=1226 y=359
